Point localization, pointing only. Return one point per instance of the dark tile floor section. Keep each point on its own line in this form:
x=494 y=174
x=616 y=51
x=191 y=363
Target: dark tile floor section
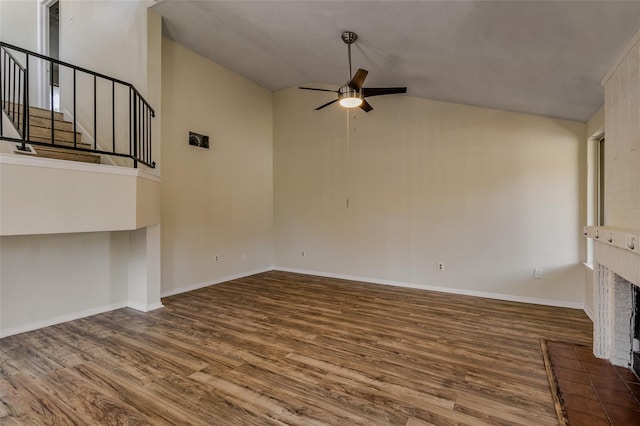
x=593 y=391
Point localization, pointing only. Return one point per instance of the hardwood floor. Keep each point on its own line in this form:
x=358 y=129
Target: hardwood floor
x=281 y=348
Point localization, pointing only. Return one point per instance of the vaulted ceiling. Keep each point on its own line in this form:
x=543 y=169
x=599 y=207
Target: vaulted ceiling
x=538 y=57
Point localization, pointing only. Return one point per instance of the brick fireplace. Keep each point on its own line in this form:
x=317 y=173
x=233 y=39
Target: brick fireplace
x=616 y=282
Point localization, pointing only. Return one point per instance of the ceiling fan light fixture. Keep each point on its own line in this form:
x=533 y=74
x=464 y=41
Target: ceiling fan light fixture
x=350 y=99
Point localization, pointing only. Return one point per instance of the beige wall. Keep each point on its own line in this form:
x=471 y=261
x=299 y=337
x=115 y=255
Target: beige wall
x=19 y=26
x=47 y=279
x=490 y=194
x=106 y=36
x=622 y=159
x=216 y=201
x=19 y=23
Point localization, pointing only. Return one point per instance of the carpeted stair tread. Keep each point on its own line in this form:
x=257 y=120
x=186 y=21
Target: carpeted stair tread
x=43 y=134
x=63 y=154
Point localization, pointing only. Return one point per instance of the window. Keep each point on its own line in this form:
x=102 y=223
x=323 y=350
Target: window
x=600 y=179
x=595 y=187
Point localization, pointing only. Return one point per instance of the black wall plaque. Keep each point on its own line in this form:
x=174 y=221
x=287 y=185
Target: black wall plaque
x=197 y=139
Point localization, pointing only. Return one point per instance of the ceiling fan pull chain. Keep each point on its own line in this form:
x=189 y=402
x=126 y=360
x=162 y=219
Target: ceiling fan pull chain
x=349 y=48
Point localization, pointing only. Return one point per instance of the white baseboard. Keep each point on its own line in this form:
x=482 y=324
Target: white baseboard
x=214 y=282
x=60 y=319
x=465 y=292
x=144 y=308
x=589 y=312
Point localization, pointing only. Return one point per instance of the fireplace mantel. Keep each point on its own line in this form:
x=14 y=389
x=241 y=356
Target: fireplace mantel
x=617 y=249
x=621 y=238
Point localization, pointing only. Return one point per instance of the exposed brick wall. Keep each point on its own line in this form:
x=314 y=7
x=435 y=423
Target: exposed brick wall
x=614 y=303
x=622 y=146
x=622 y=327
x=602 y=320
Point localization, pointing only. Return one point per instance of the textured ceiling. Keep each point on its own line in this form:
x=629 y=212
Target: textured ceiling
x=538 y=57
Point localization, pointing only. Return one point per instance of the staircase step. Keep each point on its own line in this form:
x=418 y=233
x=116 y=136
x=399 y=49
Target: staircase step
x=40 y=131
x=45 y=113
x=63 y=154
x=60 y=142
x=46 y=123
x=37 y=132
x=35 y=111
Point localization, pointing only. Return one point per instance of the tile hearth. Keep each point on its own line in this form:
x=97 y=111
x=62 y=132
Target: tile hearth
x=594 y=391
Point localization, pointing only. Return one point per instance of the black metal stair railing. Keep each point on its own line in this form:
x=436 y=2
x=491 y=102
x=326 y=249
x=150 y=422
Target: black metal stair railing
x=110 y=111
x=14 y=78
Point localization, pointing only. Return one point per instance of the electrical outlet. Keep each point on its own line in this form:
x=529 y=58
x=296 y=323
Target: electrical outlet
x=538 y=273
x=302 y=253
x=217 y=258
x=440 y=266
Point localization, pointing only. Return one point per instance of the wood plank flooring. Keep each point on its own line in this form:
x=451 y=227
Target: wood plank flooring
x=287 y=349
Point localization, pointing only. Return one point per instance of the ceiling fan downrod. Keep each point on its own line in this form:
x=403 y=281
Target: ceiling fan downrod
x=349 y=37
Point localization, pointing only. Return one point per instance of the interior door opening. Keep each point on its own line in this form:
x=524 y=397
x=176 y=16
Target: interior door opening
x=54 y=52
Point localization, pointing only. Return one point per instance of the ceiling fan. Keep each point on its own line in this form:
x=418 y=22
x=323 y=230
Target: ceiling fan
x=352 y=94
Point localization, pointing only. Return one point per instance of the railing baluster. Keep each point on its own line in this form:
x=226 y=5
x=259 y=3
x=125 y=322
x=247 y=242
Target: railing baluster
x=1 y=92
x=148 y=132
x=113 y=115
x=26 y=118
x=3 y=80
x=135 y=131
x=2 y=60
x=16 y=96
x=8 y=86
x=150 y=139
x=95 y=114
x=75 y=112
x=141 y=125
x=130 y=122
x=143 y=131
x=53 y=117
x=15 y=110
x=8 y=77
x=13 y=106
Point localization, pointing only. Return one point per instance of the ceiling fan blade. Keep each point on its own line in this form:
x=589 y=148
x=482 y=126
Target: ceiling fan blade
x=319 y=90
x=358 y=79
x=326 y=105
x=365 y=106
x=377 y=91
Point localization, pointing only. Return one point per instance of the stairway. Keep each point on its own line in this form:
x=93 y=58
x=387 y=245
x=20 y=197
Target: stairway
x=40 y=131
